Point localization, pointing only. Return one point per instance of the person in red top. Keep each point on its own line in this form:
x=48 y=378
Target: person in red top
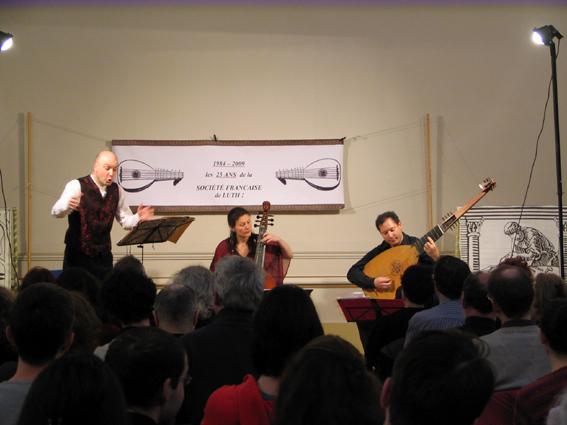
x=243 y=242
x=285 y=321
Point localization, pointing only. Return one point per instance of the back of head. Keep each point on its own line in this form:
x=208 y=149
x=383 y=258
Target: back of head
x=449 y=275
x=284 y=322
x=128 y=296
x=553 y=327
x=475 y=292
x=87 y=326
x=129 y=262
x=200 y=280
x=36 y=275
x=417 y=284
x=385 y=216
x=327 y=383
x=41 y=320
x=547 y=286
x=176 y=305
x=75 y=389
x=81 y=280
x=143 y=359
x=439 y=379
x=239 y=283
x=511 y=288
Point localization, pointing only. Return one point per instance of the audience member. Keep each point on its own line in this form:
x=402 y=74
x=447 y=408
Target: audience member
x=547 y=286
x=480 y=318
x=220 y=352
x=75 y=389
x=87 y=327
x=516 y=353
x=285 y=321
x=35 y=275
x=200 y=279
x=327 y=383
x=440 y=378
x=534 y=400
x=7 y=352
x=151 y=366
x=175 y=309
x=387 y=337
x=129 y=262
x=128 y=297
x=449 y=274
x=40 y=328
x=81 y=280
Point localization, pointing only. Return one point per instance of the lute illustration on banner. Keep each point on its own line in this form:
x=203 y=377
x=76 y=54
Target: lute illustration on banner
x=323 y=174
x=135 y=176
x=394 y=261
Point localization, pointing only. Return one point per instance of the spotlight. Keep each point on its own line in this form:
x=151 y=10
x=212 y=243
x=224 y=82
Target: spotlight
x=6 y=41
x=545 y=35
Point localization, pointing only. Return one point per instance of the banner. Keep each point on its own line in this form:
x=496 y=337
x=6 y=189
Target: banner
x=202 y=176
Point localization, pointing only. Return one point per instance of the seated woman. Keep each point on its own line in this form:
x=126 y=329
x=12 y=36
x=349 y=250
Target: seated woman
x=243 y=242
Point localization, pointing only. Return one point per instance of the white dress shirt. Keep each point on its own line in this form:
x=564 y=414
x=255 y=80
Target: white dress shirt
x=123 y=214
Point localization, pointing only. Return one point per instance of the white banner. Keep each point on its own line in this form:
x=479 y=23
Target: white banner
x=212 y=176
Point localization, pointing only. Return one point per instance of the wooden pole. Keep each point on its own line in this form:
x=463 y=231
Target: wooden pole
x=427 y=140
x=28 y=189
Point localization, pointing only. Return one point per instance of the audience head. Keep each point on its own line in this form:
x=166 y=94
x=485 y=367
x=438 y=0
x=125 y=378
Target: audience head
x=440 y=378
x=518 y=262
x=552 y=325
x=41 y=322
x=128 y=296
x=511 y=291
x=547 y=287
x=36 y=275
x=239 y=283
x=87 y=326
x=417 y=284
x=75 y=389
x=200 y=280
x=81 y=280
x=285 y=321
x=327 y=383
x=176 y=309
x=129 y=262
x=7 y=352
x=151 y=366
x=449 y=274
x=475 y=293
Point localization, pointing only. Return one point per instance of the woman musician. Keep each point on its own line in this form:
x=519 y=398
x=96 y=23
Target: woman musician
x=243 y=242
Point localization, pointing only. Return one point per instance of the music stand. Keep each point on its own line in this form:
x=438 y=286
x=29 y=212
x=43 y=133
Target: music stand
x=157 y=231
x=364 y=311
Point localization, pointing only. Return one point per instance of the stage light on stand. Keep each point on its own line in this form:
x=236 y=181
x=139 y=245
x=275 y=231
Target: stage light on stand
x=6 y=41
x=545 y=36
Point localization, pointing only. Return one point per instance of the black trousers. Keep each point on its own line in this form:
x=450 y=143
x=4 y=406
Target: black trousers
x=99 y=265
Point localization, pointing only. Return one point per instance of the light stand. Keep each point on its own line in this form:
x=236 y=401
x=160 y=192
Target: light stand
x=545 y=35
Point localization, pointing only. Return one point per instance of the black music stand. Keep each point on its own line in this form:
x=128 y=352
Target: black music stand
x=364 y=312
x=156 y=231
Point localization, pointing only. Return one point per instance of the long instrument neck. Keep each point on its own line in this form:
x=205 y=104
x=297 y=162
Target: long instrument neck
x=260 y=248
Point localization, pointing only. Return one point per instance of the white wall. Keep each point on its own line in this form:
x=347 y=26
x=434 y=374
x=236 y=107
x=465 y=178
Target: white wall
x=92 y=74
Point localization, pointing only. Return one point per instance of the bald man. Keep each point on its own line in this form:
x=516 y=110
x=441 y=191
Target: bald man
x=91 y=203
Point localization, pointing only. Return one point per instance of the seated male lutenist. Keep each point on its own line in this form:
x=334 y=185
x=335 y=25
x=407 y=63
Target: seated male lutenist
x=391 y=229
